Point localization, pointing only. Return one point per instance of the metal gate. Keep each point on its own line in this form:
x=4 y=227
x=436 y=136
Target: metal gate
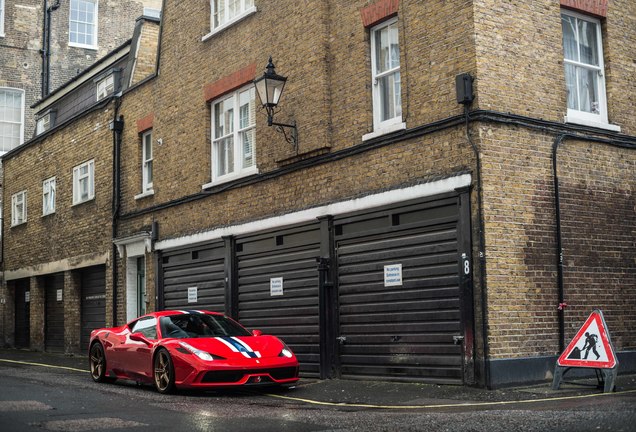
x=93 y=302
x=54 y=318
x=22 y=314
x=278 y=289
x=399 y=294
x=194 y=278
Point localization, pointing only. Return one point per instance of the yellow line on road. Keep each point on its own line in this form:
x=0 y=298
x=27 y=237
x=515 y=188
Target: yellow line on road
x=456 y=405
x=42 y=365
x=393 y=407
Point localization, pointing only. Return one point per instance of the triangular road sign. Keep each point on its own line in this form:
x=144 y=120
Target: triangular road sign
x=591 y=347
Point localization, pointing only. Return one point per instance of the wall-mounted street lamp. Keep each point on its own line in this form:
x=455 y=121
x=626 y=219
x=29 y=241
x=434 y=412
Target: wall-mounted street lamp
x=269 y=88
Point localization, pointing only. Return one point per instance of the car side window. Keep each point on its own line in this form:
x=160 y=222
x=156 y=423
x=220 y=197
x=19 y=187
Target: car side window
x=146 y=326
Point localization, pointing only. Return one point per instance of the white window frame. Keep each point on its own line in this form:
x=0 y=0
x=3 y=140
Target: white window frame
x=19 y=208
x=49 y=193
x=94 y=24
x=147 y=163
x=236 y=132
x=9 y=90
x=79 y=178
x=381 y=127
x=246 y=8
x=152 y=12
x=582 y=117
x=105 y=87
x=2 y=18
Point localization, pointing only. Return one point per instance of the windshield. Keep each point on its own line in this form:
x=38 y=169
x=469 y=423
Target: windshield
x=199 y=325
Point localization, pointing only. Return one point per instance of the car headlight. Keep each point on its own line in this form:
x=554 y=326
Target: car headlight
x=197 y=352
x=286 y=352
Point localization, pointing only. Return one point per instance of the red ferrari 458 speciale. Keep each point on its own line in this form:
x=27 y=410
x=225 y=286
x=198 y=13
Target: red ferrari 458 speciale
x=189 y=349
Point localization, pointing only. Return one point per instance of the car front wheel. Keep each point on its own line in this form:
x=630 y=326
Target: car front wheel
x=97 y=363
x=163 y=372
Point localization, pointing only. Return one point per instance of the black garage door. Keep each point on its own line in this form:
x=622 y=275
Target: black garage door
x=399 y=295
x=54 y=318
x=194 y=278
x=278 y=289
x=22 y=314
x=93 y=303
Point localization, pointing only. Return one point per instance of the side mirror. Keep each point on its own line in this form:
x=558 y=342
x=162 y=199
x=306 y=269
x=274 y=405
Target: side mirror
x=139 y=337
x=257 y=333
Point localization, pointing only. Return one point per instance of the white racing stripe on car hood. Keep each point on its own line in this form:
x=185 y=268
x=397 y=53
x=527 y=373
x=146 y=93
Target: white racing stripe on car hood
x=238 y=345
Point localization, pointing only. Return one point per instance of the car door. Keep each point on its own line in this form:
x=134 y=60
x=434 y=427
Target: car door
x=136 y=356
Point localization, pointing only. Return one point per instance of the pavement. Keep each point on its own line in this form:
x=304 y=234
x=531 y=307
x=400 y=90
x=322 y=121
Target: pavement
x=372 y=394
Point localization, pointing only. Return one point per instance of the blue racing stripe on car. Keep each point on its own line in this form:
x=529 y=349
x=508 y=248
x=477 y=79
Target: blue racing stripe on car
x=239 y=347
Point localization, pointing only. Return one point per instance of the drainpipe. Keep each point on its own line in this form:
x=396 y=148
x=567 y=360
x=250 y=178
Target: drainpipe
x=46 y=46
x=117 y=126
x=482 y=251
x=465 y=96
x=559 y=243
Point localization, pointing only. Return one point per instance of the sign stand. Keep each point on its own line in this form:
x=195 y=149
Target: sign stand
x=590 y=348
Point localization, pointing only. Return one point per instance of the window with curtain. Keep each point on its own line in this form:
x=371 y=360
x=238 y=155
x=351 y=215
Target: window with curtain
x=234 y=135
x=584 y=69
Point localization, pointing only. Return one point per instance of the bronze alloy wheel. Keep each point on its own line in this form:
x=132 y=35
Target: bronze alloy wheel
x=163 y=372
x=97 y=363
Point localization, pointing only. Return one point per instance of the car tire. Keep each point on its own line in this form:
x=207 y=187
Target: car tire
x=97 y=363
x=163 y=372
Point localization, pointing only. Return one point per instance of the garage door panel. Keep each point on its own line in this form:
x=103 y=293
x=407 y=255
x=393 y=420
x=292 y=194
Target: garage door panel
x=401 y=347
x=202 y=267
x=437 y=374
x=297 y=310
x=93 y=301
x=411 y=295
x=434 y=241
x=54 y=313
x=289 y=254
x=401 y=328
x=296 y=287
x=283 y=262
x=409 y=359
x=187 y=273
x=406 y=307
x=394 y=316
x=415 y=339
x=370 y=265
x=273 y=321
x=22 y=314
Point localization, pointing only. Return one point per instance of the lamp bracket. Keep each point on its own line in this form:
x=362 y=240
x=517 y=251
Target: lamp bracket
x=292 y=138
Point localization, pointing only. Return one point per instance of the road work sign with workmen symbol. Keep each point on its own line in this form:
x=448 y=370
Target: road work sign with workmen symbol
x=591 y=347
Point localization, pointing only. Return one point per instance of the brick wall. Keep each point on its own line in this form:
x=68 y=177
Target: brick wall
x=146 y=55
x=37 y=312
x=530 y=81
x=20 y=47
x=72 y=311
x=72 y=231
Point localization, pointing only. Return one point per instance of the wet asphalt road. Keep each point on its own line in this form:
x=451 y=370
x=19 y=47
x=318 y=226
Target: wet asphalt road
x=50 y=398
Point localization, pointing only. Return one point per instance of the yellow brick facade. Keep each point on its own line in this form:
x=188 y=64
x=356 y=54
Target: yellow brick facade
x=513 y=49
